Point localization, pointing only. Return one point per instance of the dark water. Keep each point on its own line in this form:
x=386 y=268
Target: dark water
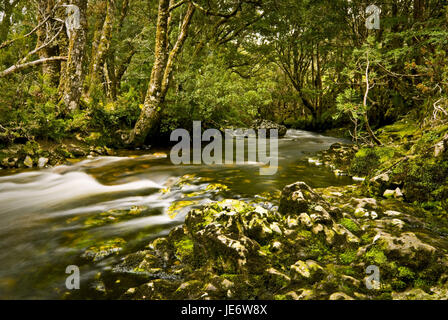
x=48 y=218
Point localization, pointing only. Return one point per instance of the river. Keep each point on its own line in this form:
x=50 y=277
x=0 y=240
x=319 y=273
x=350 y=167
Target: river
x=50 y=217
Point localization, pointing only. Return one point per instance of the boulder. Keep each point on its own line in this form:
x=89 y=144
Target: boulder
x=407 y=248
x=340 y=296
x=397 y=194
x=297 y=198
x=42 y=162
x=28 y=162
x=268 y=125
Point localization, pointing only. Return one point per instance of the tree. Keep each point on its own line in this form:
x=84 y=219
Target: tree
x=72 y=78
x=161 y=72
x=47 y=45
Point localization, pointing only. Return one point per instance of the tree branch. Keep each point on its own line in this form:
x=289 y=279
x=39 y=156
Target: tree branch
x=218 y=14
x=18 y=67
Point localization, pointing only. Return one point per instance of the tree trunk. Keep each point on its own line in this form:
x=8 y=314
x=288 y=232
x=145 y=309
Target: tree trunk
x=366 y=118
x=419 y=10
x=51 y=68
x=73 y=77
x=161 y=72
x=100 y=53
x=5 y=25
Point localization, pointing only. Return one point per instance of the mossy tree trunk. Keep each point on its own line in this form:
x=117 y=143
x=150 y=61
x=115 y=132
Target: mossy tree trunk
x=73 y=75
x=45 y=33
x=5 y=25
x=101 y=49
x=161 y=71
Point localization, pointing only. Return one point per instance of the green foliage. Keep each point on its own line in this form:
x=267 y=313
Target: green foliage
x=367 y=159
x=349 y=102
x=216 y=96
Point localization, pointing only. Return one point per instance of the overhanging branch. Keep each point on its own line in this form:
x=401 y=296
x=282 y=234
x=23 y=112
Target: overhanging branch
x=18 y=67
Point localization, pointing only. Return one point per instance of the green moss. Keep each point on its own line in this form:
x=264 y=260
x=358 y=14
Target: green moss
x=349 y=224
x=369 y=159
x=184 y=248
x=367 y=238
x=349 y=271
x=320 y=251
x=348 y=256
x=406 y=273
x=177 y=206
x=265 y=250
x=399 y=130
x=399 y=285
x=376 y=256
x=422 y=284
x=230 y=276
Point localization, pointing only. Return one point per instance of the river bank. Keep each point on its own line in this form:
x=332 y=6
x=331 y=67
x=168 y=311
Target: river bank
x=140 y=228
x=91 y=212
x=313 y=243
x=317 y=245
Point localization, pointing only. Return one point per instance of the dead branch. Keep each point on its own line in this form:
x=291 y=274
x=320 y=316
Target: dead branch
x=18 y=67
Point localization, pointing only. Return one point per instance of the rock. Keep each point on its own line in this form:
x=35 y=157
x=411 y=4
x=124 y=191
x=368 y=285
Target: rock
x=309 y=270
x=276 y=279
x=5 y=162
x=189 y=290
x=351 y=281
x=340 y=296
x=305 y=220
x=42 y=162
x=389 y=194
x=226 y=284
x=300 y=271
x=407 y=248
x=307 y=294
x=336 y=146
x=366 y=203
x=397 y=194
x=103 y=250
x=392 y=213
x=268 y=125
x=292 y=295
x=439 y=149
x=297 y=198
x=397 y=223
x=380 y=183
x=234 y=250
x=292 y=222
x=412 y=294
x=276 y=228
x=276 y=246
x=28 y=162
x=153 y=290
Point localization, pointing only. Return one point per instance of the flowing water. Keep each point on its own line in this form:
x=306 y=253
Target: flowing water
x=50 y=217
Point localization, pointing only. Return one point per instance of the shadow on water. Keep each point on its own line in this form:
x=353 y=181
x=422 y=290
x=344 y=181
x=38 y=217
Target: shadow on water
x=49 y=218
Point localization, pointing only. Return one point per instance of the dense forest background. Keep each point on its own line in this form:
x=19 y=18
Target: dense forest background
x=137 y=69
